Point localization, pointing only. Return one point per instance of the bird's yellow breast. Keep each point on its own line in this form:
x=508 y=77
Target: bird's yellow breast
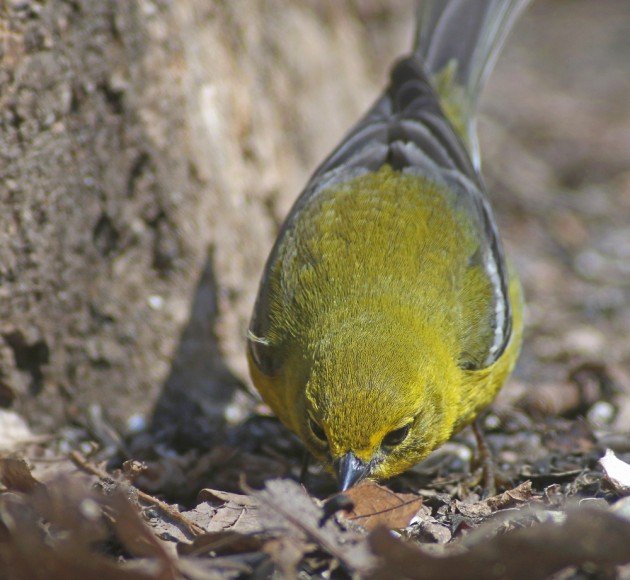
x=373 y=301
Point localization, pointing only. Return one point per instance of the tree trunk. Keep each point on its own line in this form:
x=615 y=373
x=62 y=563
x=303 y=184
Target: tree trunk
x=148 y=151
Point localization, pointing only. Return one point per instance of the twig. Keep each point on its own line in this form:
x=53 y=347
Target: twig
x=172 y=513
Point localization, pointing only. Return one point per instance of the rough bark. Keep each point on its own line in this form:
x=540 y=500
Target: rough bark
x=148 y=151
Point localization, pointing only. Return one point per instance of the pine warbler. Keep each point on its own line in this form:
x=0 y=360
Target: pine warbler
x=387 y=317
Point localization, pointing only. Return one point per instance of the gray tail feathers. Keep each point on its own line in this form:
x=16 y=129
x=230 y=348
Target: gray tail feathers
x=458 y=42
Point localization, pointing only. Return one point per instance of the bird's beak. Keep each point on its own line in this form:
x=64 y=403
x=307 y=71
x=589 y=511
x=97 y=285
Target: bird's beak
x=350 y=470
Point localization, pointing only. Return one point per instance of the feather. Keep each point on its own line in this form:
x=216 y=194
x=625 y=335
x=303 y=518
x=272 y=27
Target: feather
x=458 y=41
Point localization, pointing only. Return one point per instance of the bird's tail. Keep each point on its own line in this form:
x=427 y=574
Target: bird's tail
x=458 y=42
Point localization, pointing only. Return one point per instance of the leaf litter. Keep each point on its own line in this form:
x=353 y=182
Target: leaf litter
x=562 y=507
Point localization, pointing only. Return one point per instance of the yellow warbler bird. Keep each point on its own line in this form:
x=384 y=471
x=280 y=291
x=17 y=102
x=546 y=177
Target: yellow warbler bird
x=387 y=317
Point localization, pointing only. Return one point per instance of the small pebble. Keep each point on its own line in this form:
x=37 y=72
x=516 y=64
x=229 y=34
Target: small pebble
x=601 y=414
x=136 y=423
x=492 y=422
x=585 y=340
x=156 y=302
x=90 y=509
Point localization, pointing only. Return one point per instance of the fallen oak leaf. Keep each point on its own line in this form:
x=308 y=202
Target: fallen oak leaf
x=376 y=505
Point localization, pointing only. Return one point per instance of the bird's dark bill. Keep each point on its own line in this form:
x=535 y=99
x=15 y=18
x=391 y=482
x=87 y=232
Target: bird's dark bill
x=350 y=470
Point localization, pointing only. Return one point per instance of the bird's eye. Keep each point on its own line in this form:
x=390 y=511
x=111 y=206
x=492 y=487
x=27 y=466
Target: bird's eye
x=396 y=437
x=317 y=430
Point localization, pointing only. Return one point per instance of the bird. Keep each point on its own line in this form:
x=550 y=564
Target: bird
x=388 y=317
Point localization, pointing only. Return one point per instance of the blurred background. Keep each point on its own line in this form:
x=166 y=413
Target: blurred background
x=555 y=130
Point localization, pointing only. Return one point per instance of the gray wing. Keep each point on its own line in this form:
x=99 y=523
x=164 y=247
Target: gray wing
x=407 y=129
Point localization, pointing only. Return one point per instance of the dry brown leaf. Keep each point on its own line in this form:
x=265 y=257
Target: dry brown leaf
x=16 y=475
x=375 y=505
x=65 y=549
x=587 y=535
x=287 y=507
x=135 y=535
x=286 y=553
x=221 y=544
x=240 y=516
x=475 y=511
x=521 y=494
x=429 y=531
x=216 y=496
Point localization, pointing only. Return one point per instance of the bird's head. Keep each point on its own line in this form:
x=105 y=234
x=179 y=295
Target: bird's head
x=376 y=407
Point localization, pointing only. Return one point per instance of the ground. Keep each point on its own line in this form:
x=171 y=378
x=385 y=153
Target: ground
x=555 y=137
